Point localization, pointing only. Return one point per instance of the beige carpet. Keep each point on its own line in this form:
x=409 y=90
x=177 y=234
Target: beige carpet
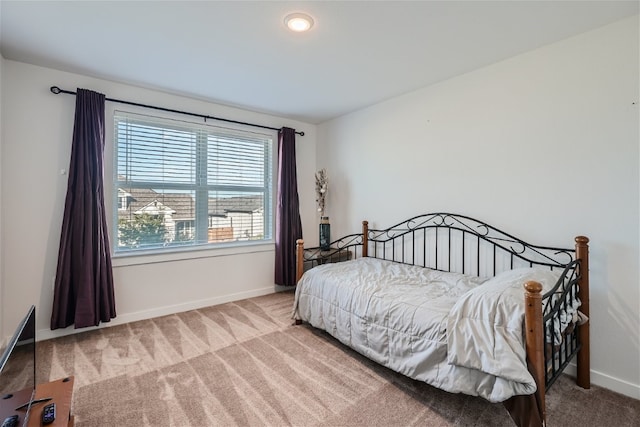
x=245 y=364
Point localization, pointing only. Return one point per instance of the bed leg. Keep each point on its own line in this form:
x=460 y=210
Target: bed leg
x=299 y=259
x=365 y=239
x=534 y=328
x=584 y=364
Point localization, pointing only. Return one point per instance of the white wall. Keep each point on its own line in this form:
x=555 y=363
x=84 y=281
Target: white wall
x=2 y=321
x=36 y=147
x=544 y=145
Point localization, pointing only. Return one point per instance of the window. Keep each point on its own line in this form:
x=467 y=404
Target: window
x=181 y=184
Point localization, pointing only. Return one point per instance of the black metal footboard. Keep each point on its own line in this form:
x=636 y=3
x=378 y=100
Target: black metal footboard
x=562 y=319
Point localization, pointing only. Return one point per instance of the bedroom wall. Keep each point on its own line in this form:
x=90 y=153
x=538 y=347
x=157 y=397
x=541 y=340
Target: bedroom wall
x=3 y=323
x=36 y=149
x=544 y=145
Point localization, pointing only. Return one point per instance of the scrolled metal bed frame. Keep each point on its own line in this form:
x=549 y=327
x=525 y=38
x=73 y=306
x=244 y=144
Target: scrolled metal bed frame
x=457 y=243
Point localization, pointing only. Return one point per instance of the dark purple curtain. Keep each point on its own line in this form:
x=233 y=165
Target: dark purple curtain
x=83 y=293
x=288 y=224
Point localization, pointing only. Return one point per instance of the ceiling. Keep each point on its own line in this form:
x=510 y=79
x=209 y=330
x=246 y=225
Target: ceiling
x=239 y=53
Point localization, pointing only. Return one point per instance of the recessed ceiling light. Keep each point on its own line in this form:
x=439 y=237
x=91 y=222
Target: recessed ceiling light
x=298 y=22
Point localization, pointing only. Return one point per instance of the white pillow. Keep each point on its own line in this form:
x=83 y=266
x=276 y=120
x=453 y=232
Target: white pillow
x=519 y=276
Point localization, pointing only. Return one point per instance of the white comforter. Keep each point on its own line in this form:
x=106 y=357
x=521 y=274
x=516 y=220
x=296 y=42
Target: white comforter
x=441 y=328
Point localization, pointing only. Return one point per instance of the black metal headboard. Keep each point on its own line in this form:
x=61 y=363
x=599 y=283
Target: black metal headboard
x=458 y=243
x=448 y=242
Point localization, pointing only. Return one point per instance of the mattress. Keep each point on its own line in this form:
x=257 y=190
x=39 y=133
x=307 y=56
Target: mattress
x=459 y=333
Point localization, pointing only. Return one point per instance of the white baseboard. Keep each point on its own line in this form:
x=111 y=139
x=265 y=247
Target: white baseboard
x=609 y=382
x=45 y=334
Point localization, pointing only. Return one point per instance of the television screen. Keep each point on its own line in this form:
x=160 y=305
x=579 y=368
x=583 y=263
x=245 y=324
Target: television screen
x=18 y=362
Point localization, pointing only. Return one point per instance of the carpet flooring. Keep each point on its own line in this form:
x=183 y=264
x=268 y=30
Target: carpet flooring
x=245 y=364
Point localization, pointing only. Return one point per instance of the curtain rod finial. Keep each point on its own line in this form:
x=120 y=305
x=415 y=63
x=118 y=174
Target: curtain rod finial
x=55 y=89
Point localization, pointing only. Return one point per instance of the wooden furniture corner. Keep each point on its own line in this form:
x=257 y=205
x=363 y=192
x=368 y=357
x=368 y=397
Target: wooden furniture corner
x=60 y=392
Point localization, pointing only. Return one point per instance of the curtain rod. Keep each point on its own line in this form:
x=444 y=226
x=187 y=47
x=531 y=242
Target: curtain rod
x=57 y=90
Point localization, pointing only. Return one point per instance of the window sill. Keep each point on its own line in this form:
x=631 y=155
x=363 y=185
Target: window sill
x=181 y=254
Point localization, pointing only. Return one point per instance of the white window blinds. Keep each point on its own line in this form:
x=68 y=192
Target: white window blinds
x=184 y=184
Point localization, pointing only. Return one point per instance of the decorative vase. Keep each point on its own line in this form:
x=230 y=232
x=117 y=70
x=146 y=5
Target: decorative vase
x=325 y=233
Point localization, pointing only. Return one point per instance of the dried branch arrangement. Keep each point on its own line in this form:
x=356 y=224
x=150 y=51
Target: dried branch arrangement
x=322 y=185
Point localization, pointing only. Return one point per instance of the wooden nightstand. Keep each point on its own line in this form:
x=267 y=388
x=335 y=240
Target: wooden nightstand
x=316 y=256
x=60 y=392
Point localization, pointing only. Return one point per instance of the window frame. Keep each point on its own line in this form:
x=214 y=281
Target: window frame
x=196 y=250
